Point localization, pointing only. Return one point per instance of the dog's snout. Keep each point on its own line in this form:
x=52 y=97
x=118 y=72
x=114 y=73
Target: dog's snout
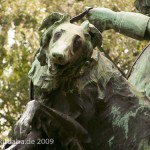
x=58 y=56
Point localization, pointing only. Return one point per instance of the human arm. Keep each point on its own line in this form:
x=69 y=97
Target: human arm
x=134 y=25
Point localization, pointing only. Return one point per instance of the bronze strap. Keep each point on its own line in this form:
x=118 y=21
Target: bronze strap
x=80 y=16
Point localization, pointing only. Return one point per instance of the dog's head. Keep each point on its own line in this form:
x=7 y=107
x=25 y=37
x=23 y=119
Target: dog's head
x=64 y=44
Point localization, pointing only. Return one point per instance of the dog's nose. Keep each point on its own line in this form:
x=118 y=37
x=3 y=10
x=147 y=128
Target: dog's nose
x=58 y=56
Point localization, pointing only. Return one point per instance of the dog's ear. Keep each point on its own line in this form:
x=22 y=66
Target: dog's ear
x=96 y=36
x=53 y=18
x=50 y=20
x=49 y=23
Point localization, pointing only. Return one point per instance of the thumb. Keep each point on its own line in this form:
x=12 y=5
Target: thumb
x=87 y=10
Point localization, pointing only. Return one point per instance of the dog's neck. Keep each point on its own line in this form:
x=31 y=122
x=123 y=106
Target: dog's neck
x=67 y=77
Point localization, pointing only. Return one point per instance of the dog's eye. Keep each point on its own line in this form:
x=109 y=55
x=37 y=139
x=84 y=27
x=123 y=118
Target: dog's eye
x=57 y=35
x=77 y=43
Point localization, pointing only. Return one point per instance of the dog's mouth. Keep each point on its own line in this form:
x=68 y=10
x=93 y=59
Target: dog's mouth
x=60 y=66
x=55 y=68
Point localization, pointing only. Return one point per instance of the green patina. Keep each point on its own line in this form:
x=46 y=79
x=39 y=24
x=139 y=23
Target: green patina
x=111 y=141
x=140 y=73
x=128 y=24
x=144 y=145
x=122 y=120
x=123 y=22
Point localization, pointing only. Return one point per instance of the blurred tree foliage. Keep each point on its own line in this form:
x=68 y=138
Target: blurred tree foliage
x=19 y=39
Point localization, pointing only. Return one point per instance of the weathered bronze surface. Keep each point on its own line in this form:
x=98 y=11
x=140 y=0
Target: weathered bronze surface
x=126 y=23
x=81 y=99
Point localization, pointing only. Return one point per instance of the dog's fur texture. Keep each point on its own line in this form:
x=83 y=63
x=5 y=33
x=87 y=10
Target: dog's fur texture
x=72 y=78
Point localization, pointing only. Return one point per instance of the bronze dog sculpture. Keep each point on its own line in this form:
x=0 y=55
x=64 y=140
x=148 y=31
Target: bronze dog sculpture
x=81 y=100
